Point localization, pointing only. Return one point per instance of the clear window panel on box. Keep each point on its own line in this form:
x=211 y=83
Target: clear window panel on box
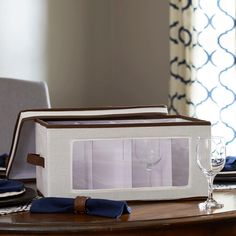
x=130 y=163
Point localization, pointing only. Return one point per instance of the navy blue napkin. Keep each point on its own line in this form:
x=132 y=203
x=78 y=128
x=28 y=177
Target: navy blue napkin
x=230 y=164
x=3 y=158
x=7 y=186
x=98 y=207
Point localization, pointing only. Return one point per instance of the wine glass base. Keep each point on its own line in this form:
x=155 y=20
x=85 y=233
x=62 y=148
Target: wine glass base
x=210 y=204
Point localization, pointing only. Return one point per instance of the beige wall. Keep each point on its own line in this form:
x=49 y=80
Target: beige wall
x=107 y=52
x=140 y=51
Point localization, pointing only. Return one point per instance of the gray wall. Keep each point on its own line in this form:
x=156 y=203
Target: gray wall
x=23 y=25
x=107 y=52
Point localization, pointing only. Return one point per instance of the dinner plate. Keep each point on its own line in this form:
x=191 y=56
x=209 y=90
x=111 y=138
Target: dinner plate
x=26 y=197
x=11 y=194
x=226 y=176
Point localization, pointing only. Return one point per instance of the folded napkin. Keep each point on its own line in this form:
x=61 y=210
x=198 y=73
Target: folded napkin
x=8 y=186
x=230 y=164
x=98 y=207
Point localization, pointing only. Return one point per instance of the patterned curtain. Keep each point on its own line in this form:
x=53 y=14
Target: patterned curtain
x=203 y=59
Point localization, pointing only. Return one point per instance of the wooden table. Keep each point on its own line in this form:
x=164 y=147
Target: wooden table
x=149 y=218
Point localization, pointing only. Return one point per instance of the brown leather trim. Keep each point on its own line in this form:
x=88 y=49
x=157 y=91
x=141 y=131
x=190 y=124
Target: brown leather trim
x=44 y=121
x=35 y=159
x=197 y=198
x=80 y=204
x=97 y=108
x=146 y=115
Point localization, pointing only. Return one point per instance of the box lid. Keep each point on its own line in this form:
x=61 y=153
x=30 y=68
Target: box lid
x=23 y=141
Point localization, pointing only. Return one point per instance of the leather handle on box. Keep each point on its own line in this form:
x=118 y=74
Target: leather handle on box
x=35 y=159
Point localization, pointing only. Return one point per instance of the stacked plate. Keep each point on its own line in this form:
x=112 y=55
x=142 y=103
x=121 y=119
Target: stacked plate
x=14 y=193
x=228 y=174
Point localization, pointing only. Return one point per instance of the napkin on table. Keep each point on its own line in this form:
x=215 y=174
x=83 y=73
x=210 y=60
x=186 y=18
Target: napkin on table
x=98 y=207
x=8 y=186
x=230 y=164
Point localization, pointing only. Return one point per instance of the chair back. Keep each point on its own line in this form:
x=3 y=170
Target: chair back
x=17 y=95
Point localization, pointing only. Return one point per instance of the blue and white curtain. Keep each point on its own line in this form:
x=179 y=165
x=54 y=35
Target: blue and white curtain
x=203 y=63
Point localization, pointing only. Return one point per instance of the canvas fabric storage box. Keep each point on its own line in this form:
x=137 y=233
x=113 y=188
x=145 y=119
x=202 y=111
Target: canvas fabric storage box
x=138 y=155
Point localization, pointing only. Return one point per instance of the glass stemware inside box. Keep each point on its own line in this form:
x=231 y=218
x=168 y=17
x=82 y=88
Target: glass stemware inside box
x=130 y=163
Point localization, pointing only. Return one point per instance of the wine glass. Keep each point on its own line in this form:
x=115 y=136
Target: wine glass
x=147 y=151
x=210 y=154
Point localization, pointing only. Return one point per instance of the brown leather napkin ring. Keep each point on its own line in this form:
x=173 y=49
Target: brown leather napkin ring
x=80 y=204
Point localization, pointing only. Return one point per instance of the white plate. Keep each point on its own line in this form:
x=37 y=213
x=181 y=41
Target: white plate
x=10 y=194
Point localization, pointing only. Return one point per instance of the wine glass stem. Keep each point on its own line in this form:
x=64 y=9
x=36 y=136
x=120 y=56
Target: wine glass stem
x=150 y=178
x=210 y=187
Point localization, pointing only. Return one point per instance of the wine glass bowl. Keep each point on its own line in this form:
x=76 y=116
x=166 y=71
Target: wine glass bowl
x=210 y=155
x=147 y=151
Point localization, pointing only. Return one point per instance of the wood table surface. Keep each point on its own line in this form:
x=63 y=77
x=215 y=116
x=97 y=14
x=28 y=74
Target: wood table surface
x=147 y=218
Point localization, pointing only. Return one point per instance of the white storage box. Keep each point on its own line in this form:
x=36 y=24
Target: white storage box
x=136 y=155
